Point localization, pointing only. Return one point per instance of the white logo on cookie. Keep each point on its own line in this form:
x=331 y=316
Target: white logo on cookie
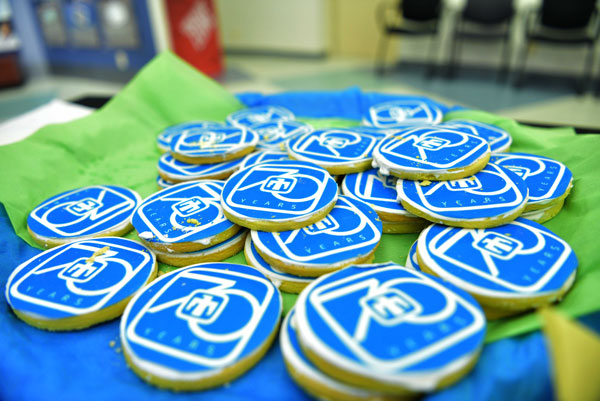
x=84 y=206
x=432 y=143
x=464 y=183
x=522 y=172
x=326 y=225
x=498 y=245
x=391 y=306
x=280 y=185
x=202 y=307
x=335 y=142
x=189 y=207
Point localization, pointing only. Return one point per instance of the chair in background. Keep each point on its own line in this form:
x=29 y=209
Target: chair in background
x=483 y=20
x=406 y=17
x=563 y=23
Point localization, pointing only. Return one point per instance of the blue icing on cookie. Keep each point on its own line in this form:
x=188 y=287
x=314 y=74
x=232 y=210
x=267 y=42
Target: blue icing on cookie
x=547 y=179
x=498 y=139
x=492 y=192
x=212 y=141
x=164 y=138
x=64 y=282
x=352 y=229
x=253 y=116
x=262 y=156
x=521 y=257
x=334 y=146
x=178 y=170
x=376 y=189
x=83 y=212
x=279 y=190
x=162 y=183
x=255 y=260
x=273 y=134
x=403 y=113
x=195 y=321
x=411 y=259
x=430 y=149
x=391 y=324
x=170 y=216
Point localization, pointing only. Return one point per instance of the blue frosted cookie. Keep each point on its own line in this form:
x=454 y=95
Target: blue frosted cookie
x=200 y=326
x=549 y=181
x=216 y=253
x=213 y=144
x=492 y=197
x=79 y=284
x=379 y=191
x=338 y=150
x=411 y=260
x=164 y=138
x=309 y=377
x=498 y=139
x=185 y=217
x=251 y=117
x=88 y=212
x=349 y=234
x=279 y=195
x=173 y=170
x=389 y=328
x=284 y=281
x=431 y=153
x=263 y=156
x=273 y=135
x=408 y=112
x=508 y=269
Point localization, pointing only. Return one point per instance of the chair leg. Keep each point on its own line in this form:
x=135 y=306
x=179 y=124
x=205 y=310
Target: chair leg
x=505 y=60
x=585 y=82
x=431 y=65
x=520 y=65
x=380 y=54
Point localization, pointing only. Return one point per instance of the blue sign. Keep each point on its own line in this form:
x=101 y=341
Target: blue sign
x=249 y=118
x=521 y=257
x=426 y=149
x=351 y=230
x=547 y=179
x=212 y=141
x=492 y=192
x=498 y=139
x=165 y=137
x=190 y=324
x=390 y=324
x=407 y=112
x=79 y=278
x=177 y=170
x=334 y=146
x=279 y=191
x=83 y=212
x=275 y=134
x=184 y=212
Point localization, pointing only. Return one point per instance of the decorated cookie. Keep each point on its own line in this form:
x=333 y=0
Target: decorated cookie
x=407 y=112
x=309 y=377
x=284 y=281
x=79 y=284
x=215 y=253
x=514 y=267
x=545 y=214
x=411 y=260
x=279 y=195
x=549 y=181
x=263 y=156
x=349 y=234
x=88 y=212
x=498 y=139
x=185 y=217
x=338 y=150
x=431 y=153
x=162 y=183
x=492 y=197
x=164 y=138
x=175 y=171
x=389 y=328
x=200 y=326
x=379 y=191
x=251 y=117
x=213 y=144
x=273 y=135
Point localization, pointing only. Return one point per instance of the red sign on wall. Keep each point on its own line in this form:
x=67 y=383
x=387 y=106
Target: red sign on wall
x=194 y=33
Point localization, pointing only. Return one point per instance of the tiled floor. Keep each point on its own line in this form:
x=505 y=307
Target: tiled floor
x=541 y=99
